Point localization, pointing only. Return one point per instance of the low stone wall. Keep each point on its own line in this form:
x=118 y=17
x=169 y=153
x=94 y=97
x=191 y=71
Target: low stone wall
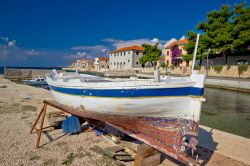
x=212 y=71
x=237 y=84
x=227 y=71
x=23 y=74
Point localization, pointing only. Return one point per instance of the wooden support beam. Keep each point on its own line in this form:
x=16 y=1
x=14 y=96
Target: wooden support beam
x=147 y=155
x=39 y=130
x=41 y=126
x=37 y=119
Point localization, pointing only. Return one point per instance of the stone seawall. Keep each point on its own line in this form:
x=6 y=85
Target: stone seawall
x=22 y=74
x=211 y=71
x=238 y=85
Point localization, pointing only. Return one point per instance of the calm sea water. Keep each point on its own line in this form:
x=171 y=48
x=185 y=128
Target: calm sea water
x=227 y=111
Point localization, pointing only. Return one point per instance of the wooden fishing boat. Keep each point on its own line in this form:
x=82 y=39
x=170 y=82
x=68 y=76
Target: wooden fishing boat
x=163 y=112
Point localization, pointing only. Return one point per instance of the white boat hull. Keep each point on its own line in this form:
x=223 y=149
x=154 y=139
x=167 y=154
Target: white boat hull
x=168 y=107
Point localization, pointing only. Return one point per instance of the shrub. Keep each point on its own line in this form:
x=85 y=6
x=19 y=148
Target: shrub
x=162 y=65
x=242 y=68
x=197 y=67
x=218 y=68
x=228 y=67
x=207 y=67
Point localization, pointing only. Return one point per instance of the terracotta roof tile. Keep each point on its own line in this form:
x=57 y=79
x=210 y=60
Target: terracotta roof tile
x=171 y=45
x=136 y=48
x=103 y=58
x=182 y=41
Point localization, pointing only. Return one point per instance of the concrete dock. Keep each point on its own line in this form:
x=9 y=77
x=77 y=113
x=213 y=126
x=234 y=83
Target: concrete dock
x=230 y=145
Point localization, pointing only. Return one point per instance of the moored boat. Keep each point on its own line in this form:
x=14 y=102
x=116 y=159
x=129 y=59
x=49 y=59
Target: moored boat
x=35 y=81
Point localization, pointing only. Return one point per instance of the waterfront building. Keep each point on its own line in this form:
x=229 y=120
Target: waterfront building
x=168 y=53
x=83 y=64
x=101 y=63
x=125 y=58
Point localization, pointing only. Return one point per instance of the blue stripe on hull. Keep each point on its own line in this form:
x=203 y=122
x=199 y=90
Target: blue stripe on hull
x=185 y=91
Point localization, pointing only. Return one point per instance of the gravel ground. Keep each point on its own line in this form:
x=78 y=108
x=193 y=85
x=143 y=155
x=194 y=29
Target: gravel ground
x=19 y=107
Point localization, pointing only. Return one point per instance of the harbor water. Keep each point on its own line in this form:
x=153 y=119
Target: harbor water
x=227 y=111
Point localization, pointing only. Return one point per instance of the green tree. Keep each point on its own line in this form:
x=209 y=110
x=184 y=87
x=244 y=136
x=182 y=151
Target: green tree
x=241 y=29
x=189 y=47
x=151 y=54
x=218 y=31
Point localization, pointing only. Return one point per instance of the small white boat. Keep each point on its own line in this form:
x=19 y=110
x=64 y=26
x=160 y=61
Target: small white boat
x=35 y=81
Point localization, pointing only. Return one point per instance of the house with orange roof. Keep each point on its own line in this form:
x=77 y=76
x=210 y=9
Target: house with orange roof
x=125 y=58
x=167 y=52
x=101 y=63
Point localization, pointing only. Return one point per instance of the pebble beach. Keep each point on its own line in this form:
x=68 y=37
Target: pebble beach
x=19 y=107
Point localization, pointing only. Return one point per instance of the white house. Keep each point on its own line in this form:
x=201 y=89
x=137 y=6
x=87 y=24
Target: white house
x=101 y=63
x=125 y=58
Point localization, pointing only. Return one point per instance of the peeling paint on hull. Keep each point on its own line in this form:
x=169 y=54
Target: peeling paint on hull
x=164 y=134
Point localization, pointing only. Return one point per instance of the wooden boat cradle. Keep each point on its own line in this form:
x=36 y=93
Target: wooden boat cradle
x=166 y=135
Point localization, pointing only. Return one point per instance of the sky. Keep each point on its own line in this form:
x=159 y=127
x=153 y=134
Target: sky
x=56 y=33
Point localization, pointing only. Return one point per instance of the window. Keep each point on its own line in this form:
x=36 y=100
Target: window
x=111 y=63
x=124 y=63
x=137 y=63
x=137 y=53
x=129 y=52
x=124 y=53
x=128 y=60
x=167 y=52
x=102 y=66
x=114 y=63
x=181 y=51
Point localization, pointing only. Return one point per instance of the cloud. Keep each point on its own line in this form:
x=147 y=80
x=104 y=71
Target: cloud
x=91 y=51
x=111 y=40
x=155 y=40
x=32 y=52
x=9 y=50
x=12 y=43
x=117 y=43
x=6 y=39
x=78 y=55
x=91 y=48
